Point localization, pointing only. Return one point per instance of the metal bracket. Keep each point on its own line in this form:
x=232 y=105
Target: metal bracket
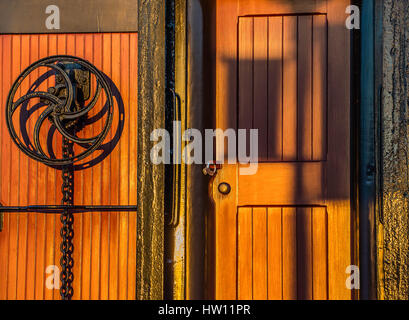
x=80 y=79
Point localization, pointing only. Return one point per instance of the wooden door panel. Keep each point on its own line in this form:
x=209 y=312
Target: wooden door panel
x=282 y=253
x=104 y=243
x=282 y=85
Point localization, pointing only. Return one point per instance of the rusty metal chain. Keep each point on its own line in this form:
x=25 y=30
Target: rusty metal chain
x=67 y=229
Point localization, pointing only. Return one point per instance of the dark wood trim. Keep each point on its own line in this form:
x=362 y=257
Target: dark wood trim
x=367 y=152
x=199 y=99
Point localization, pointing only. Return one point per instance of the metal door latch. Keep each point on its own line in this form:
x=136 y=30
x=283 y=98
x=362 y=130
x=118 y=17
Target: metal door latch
x=210 y=169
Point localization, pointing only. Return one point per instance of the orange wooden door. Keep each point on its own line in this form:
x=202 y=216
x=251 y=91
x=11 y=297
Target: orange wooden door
x=104 y=243
x=283 y=67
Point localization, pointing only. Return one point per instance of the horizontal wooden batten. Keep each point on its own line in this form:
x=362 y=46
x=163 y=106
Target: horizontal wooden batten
x=294 y=184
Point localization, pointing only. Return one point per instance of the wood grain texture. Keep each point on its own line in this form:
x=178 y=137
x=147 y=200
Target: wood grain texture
x=282 y=253
x=226 y=240
x=104 y=243
x=282 y=75
x=284 y=184
x=339 y=202
x=226 y=117
x=275 y=88
x=263 y=7
x=245 y=260
x=290 y=125
x=274 y=249
x=292 y=66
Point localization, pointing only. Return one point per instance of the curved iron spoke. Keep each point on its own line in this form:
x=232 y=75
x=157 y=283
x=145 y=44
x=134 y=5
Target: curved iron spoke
x=43 y=116
x=38 y=94
x=67 y=81
x=69 y=136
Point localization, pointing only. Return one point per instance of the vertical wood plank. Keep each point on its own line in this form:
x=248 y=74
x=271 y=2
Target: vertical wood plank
x=24 y=187
x=61 y=49
x=290 y=88
x=226 y=236
x=319 y=95
x=88 y=194
x=133 y=97
x=42 y=173
x=14 y=181
x=97 y=176
x=304 y=104
x=260 y=95
x=3 y=262
x=226 y=64
x=115 y=191
x=260 y=240
x=5 y=167
x=33 y=219
x=106 y=179
x=75 y=46
x=275 y=88
x=245 y=81
x=51 y=190
x=320 y=254
x=289 y=254
x=338 y=190
x=245 y=254
x=124 y=169
x=304 y=254
x=226 y=116
x=275 y=272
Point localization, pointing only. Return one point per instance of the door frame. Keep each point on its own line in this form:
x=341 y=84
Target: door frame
x=365 y=146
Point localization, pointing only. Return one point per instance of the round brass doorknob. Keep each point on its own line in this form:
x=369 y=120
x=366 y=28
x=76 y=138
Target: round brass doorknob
x=224 y=188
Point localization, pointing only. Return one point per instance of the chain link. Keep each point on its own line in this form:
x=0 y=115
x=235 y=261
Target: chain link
x=67 y=230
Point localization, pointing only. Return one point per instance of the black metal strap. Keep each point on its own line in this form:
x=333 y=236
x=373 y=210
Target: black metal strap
x=57 y=209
